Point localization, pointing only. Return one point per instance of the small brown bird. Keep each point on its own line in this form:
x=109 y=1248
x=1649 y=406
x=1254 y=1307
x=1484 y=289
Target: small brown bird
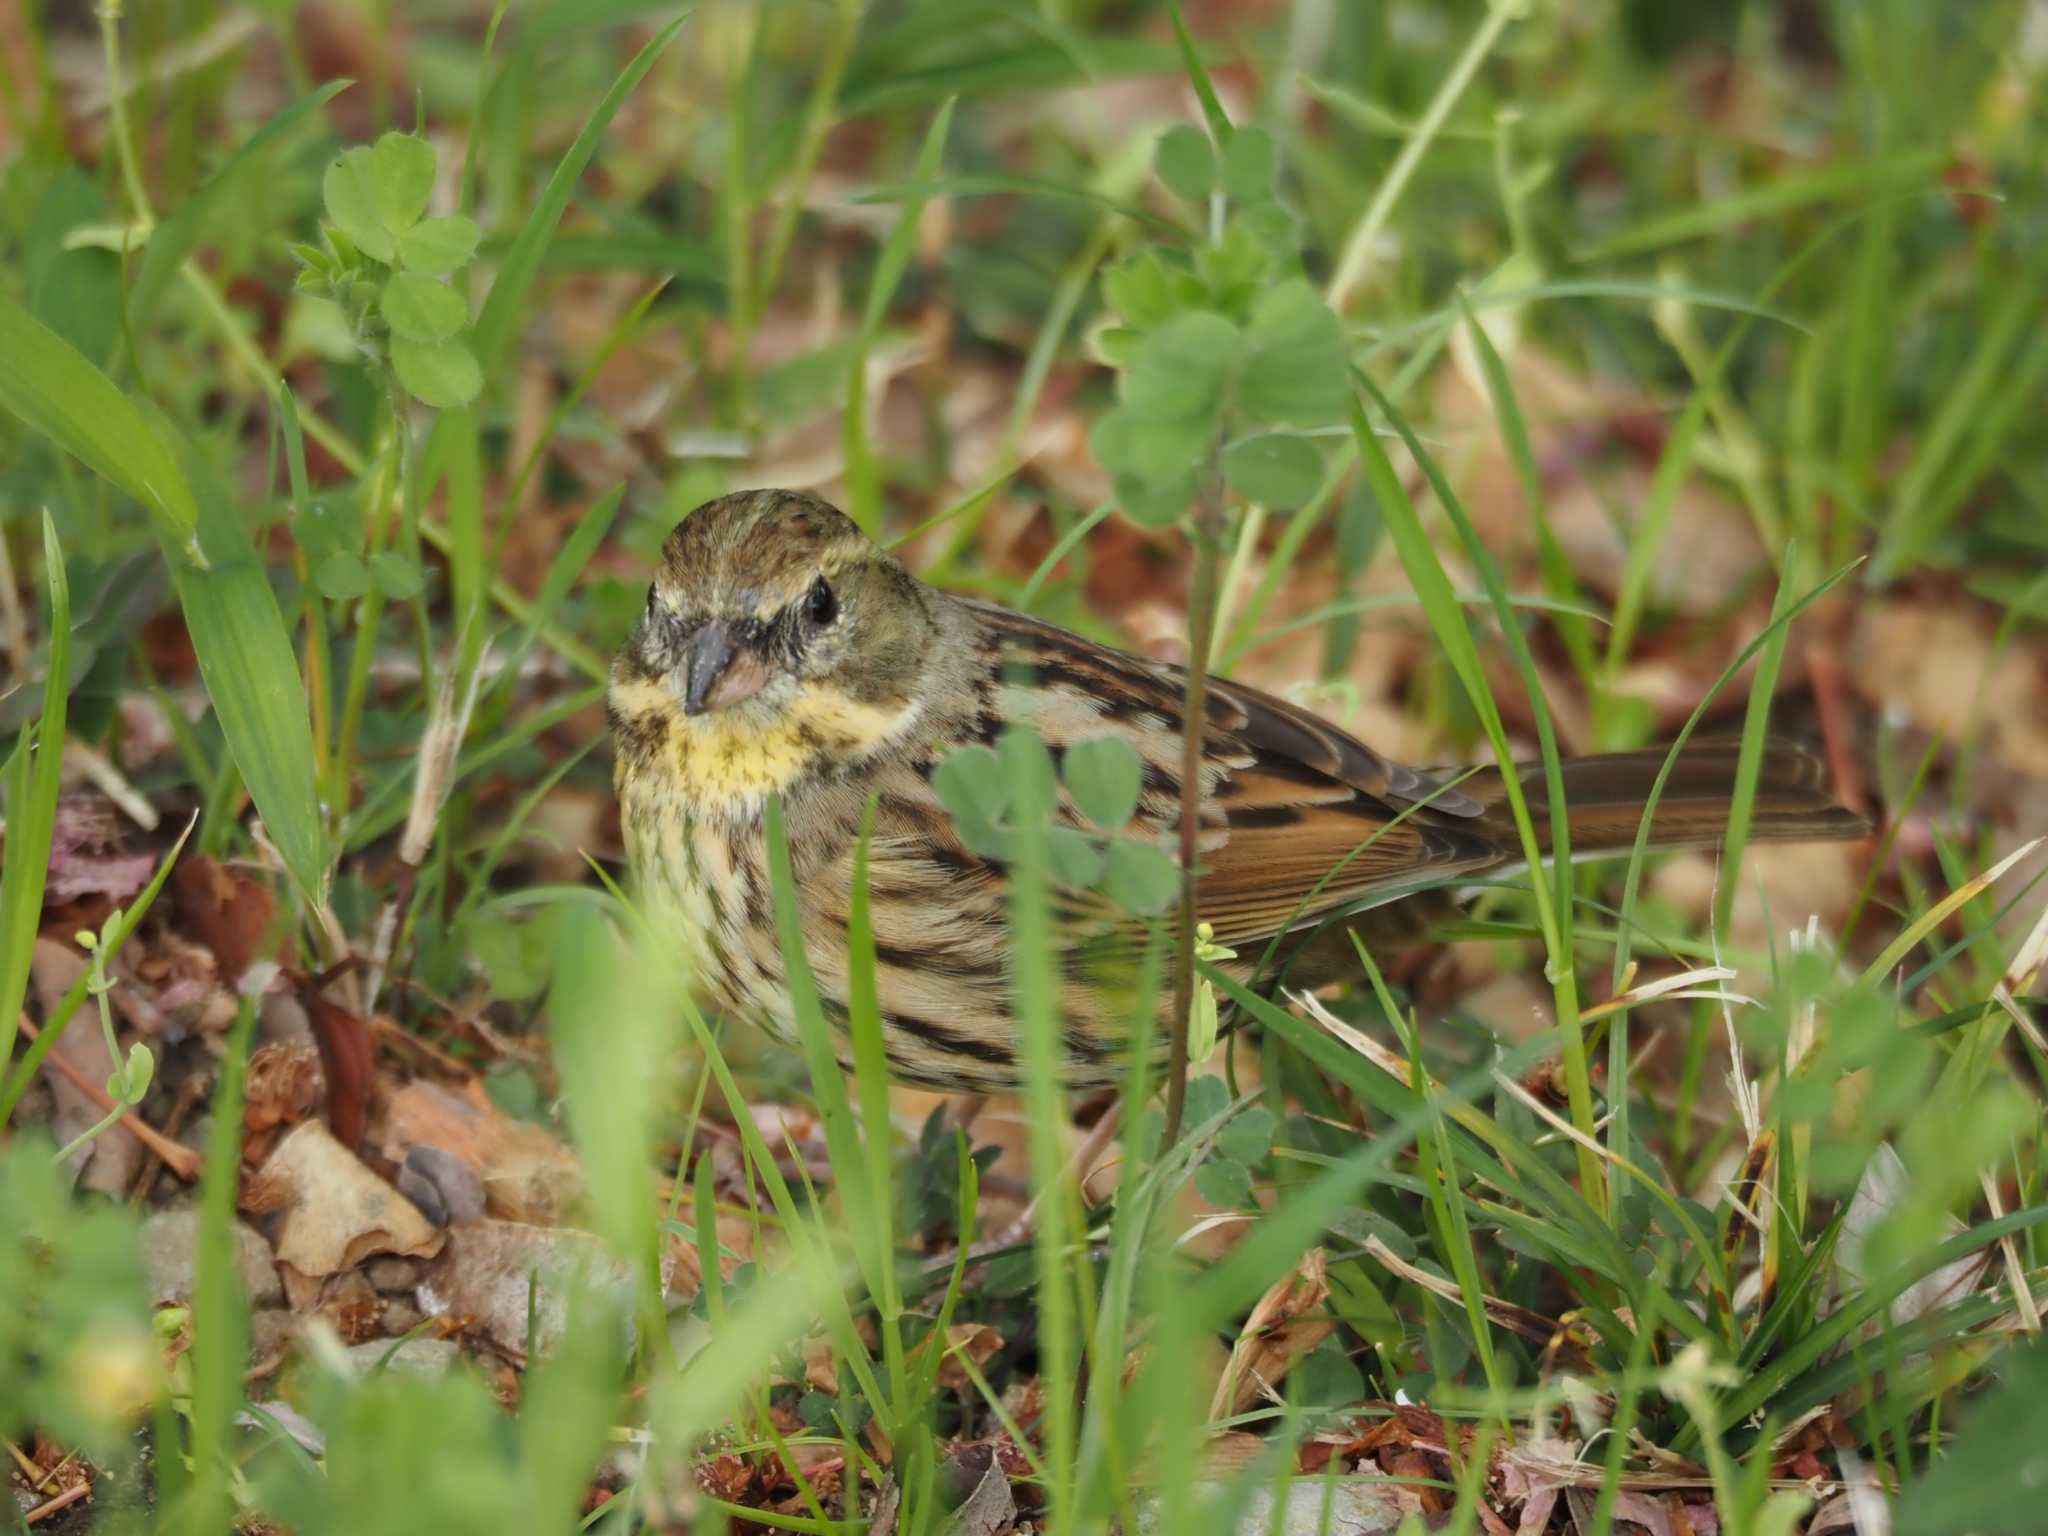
x=784 y=653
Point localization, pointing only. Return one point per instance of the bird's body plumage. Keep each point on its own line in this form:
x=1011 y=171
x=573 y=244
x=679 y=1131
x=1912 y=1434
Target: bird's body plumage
x=847 y=679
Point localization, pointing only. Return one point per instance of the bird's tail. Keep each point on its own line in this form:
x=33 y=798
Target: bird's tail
x=1605 y=795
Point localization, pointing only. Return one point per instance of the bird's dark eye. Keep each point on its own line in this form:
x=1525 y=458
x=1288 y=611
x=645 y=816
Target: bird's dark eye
x=821 y=607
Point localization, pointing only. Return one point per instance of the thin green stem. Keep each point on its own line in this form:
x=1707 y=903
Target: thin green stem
x=1208 y=536
x=1358 y=249
x=117 y=109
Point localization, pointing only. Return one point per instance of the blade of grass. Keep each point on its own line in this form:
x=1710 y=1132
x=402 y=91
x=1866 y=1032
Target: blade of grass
x=1917 y=515
x=252 y=678
x=863 y=481
x=1632 y=880
x=1781 y=194
x=33 y=781
x=55 y=390
x=1036 y=1004
x=493 y=332
x=1359 y=247
x=609 y=1030
x=179 y=234
x=1447 y=622
x=866 y=1219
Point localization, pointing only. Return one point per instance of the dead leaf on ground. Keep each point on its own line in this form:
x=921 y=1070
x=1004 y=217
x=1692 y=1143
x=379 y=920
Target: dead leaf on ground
x=977 y=1342
x=88 y=856
x=349 y=1062
x=990 y=1509
x=232 y=913
x=333 y=1212
x=1289 y=1321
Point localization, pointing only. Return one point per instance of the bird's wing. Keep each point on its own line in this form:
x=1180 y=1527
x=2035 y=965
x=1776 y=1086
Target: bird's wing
x=1298 y=817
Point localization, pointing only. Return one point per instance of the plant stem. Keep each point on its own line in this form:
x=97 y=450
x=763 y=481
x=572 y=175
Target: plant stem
x=1208 y=534
x=117 y=108
x=1358 y=249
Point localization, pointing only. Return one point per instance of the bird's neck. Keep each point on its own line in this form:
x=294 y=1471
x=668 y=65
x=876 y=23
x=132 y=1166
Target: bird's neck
x=722 y=766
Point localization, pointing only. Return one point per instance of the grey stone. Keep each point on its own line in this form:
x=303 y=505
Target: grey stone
x=392 y=1274
x=1354 y=1508
x=489 y=1269
x=445 y=1188
x=170 y=1256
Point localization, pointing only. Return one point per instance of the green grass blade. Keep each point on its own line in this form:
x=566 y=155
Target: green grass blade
x=606 y=1027
x=1781 y=194
x=871 y=1064
x=1447 y=622
x=828 y=1078
x=32 y=784
x=494 y=326
x=1036 y=1007
x=863 y=482
x=179 y=235
x=55 y=390
x=252 y=678
x=1198 y=76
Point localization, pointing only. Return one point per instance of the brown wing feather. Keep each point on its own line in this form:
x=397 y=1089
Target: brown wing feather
x=1299 y=818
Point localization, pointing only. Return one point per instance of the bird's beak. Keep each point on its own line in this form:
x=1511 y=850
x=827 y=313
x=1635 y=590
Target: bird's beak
x=723 y=670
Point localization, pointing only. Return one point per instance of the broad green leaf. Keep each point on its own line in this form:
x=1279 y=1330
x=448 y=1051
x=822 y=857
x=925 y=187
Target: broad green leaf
x=1147 y=291
x=1249 y=1137
x=1236 y=268
x=401 y=180
x=1989 y=1478
x=1027 y=771
x=51 y=386
x=1103 y=775
x=342 y=576
x=252 y=677
x=1295 y=373
x=397 y=576
x=438 y=245
x=1274 y=469
x=1251 y=165
x=1224 y=1184
x=349 y=192
x=1141 y=878
x=1325 y=1378
x=969 y=783
x=1186 y=162
x=1274 y=226
x=1155 y=506
x=73 y=288
x=1156 y=452
x=1077 y=860
x=422 y=308
x=437 y=373
x=1181 y=369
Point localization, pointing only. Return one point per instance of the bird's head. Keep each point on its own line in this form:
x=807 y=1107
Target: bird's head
x=773 y=627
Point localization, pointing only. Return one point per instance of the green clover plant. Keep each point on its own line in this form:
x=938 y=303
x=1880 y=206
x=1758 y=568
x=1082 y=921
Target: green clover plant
x=387 y=265
x=1101 y=777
